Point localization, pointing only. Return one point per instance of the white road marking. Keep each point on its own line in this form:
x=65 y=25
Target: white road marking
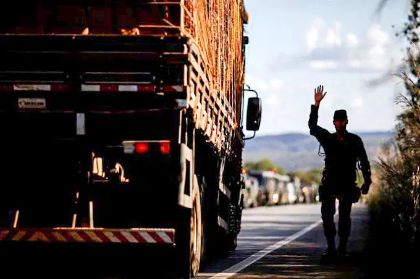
x=231 y=271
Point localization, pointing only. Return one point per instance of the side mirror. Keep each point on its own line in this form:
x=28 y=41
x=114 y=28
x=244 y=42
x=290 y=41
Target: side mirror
x=253 y=115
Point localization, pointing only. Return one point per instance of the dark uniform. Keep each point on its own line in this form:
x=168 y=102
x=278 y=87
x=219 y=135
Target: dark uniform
x=339 y=176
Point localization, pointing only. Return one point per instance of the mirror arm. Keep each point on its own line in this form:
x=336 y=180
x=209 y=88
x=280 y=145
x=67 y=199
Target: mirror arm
x=250 y=90
x=255 y=132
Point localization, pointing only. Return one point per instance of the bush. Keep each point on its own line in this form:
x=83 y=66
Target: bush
x=395 y=202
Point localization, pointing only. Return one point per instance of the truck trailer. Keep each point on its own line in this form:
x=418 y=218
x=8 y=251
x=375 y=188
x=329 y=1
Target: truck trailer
x=123 y=124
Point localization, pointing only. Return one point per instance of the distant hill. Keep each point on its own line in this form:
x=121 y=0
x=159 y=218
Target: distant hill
x=295 y=151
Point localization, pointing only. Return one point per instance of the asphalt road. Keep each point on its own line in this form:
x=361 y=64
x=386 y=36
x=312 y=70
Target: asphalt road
x=275 y=242
x=287 y=242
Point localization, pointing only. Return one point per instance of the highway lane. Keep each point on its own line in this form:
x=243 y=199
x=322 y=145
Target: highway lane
x=275 y=242
x=299 y=258
x=265 y=226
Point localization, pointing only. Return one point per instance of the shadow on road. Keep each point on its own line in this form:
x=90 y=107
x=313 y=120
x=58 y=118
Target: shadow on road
x=59 y=263
x=301 y=258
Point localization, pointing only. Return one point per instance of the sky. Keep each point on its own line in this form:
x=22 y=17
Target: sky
x=294 y=46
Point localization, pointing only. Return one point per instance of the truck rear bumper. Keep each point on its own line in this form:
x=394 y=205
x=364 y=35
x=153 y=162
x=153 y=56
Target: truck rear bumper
x=162 y=237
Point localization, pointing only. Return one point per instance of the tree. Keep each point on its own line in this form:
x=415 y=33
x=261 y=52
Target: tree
x=395 y=199
x=264 y=164
x=398 y=193
x=313 y=175
x=410 y=28
x=402 y=155
x=279 y=170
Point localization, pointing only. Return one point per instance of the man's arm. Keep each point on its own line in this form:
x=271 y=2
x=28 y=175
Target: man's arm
x=320 y=133
x=365 y=165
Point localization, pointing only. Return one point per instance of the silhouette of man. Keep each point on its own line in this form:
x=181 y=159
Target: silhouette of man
x=343 y=150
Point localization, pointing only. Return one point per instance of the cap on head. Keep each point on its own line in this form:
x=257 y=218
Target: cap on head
x=340 y=114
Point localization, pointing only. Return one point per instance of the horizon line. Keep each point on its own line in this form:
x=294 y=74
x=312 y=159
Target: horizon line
x=307 y=133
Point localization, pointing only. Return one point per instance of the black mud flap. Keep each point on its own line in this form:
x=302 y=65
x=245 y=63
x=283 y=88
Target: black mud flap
x=182 y=238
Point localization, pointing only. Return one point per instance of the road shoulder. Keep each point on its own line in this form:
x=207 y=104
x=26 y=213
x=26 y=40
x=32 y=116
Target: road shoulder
x=301 y=258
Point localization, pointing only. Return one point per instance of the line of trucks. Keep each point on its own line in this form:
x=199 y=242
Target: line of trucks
x=270 y=188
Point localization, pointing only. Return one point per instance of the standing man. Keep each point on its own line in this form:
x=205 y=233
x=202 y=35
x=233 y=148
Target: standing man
x=343 y=150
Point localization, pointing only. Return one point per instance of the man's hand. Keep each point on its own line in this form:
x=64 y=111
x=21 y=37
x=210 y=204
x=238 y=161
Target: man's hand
x=318 y=94
x=365 y=188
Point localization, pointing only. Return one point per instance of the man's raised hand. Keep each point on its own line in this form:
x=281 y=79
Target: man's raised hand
x=319 y=94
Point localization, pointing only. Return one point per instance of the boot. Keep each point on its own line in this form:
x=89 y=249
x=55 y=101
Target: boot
x=342 y=249
x=330 y=255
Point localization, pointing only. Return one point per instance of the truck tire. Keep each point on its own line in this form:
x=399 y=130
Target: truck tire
x=232 y=242
x=196 y=243
x=190 y=238
x=227 y=243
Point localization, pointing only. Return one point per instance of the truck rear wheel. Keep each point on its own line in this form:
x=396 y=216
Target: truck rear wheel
x=232 y=242
x=190 y=239
x=196 y=233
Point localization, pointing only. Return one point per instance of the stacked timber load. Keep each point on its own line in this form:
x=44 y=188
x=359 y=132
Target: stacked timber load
x=218 y=28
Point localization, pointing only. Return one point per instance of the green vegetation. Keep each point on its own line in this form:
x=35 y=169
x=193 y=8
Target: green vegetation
x=313 y=175
x=265 y=165
x=394 y=200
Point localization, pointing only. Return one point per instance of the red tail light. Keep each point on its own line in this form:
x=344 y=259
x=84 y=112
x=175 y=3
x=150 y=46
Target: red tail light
x=109 y=88
x=141 y=147
x=60 y=87
x=165 y=147
x=6 y=87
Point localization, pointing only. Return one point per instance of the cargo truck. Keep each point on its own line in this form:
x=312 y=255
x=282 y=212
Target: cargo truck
x=123 y=124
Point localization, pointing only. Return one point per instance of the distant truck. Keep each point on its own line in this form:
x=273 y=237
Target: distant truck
x=292 y=196
x=252 y=193
x=269 y=185
x=123 y=123
x=283 y=191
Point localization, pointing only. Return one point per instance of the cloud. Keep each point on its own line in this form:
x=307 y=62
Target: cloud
x=377 y=35
x=257 y=84
x=328 y=48
x=268 y=89
x=334 y=35
x=351 y=40
x=371 y=53
x=312 y=36
x=323 y=64
x=287 y=98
